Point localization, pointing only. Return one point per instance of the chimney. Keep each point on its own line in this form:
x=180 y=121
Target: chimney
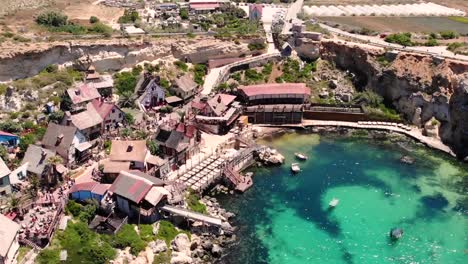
x=43 y=153
x=77 y=92
x=219 y=99
x=59 y=139
x=130 y=148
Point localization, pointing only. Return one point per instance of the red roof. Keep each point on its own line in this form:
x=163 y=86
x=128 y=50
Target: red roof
x=226 y=99
x=3 y=133
x=102 y=108
x=198 y=105
x=85 y=186
x=190 y=132
x=83 y=93
x=275 y=88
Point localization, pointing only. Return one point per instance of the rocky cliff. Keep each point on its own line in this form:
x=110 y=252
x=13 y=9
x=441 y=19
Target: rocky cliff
x=106 y=56
x=418 y=86
x=19 y=61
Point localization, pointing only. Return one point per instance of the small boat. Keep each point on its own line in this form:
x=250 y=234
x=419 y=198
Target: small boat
x=301 y=156
x=333 y=203
x=295 y=167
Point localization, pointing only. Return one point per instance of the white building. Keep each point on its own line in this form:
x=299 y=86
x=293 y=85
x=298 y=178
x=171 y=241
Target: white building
x=9 y=244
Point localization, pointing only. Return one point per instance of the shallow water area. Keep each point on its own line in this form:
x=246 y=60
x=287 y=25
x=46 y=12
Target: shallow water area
x=286 y=218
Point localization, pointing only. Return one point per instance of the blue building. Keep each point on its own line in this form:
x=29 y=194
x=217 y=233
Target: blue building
x=8 y=139
x=88 y=190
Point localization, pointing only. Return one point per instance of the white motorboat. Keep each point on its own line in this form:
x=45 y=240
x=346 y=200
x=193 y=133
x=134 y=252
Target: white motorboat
x=301 y=156
x=295 y=167
x=333 y=203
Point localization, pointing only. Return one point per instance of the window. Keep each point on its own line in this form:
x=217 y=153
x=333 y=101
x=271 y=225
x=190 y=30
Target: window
x=120 y=115
x=113 y=110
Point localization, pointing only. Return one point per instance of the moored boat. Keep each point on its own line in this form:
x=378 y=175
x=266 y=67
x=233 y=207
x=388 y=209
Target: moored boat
x=301 y=156
x=333 y=203
x=295 y=167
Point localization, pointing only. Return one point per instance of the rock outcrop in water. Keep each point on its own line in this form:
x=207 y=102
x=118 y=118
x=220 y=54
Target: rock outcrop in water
x=418 y=86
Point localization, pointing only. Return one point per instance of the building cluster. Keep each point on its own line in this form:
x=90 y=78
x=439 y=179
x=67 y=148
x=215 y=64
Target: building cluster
x=129 y=177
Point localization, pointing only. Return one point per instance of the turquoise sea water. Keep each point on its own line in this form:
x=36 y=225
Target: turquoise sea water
x=285 y=218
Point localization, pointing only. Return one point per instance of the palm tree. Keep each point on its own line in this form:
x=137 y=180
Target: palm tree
x=33 y=185
x=13 y=202
x=53 y=162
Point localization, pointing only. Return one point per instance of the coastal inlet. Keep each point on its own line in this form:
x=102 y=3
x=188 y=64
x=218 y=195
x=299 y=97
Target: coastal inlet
x=286 y=219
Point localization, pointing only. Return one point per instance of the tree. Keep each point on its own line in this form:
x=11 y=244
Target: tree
x=184 y=14
x=3 y=153
x=66 y=102
x=52 y=172
x=152 y=146
x=33 y=186
x=52 y=19
x=93 y=19
x=130 y=16
x=13 y=202
x=125 y=99
x=56 y=116
x=129 y=118
x=25 y=141
x=125 y=82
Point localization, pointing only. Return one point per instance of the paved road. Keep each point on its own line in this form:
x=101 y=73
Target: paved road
x=294 y=9
x=371 y=40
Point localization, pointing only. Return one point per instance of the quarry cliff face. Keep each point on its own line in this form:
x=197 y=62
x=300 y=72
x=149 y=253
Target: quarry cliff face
x=419 y=87
x=105 y=56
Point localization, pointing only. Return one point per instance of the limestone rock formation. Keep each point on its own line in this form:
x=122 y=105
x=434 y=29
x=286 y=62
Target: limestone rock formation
x=439 y=87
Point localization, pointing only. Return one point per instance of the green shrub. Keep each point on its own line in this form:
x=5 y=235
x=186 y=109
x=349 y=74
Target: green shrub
x=432 y=42
x=125 y=82
x=200 y=72
x=448 y=34
x=56 y=116
x=146 y=233
x=93 y=19
x=101 y=28
x=3 y=89
x=48 y=256
x=130 y=16
x=403 y=39
x=167 y=231
x=8 y=34
x=194 y=204
x=382 y=60
x=181 y=65
x=184 y=14
x=21 y=39
x=256 y=46
x=73 y=208
x=85 y=246
x=52 y=19
x=128 y=237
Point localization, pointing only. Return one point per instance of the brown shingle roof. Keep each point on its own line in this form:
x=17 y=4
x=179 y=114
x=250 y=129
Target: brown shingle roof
x=83 y=93
x=186 y=83
x=37 y=161
x=131 y=150
x=59 y=138
x=134 y=185
x=86 y=119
